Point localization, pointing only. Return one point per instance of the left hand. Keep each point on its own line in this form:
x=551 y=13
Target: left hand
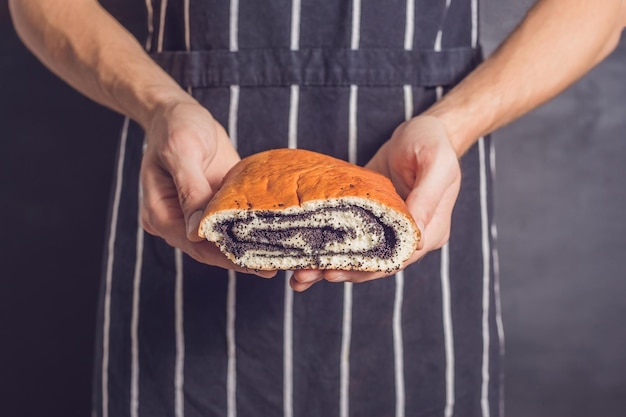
x=187 y=155
x=423 y=166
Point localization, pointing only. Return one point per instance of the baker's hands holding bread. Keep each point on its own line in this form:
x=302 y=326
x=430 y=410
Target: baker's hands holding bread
x=188 y=154
x=186 y=157
x=424 y=168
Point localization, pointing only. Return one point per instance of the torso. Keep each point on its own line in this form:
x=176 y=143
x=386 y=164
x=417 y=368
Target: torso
x=337 y=77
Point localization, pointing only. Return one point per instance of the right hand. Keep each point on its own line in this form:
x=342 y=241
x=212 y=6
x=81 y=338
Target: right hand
x=424 y=167
x=187 y=155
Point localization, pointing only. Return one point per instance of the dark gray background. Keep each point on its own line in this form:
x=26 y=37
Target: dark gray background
x=562 y=233
x=561 y=204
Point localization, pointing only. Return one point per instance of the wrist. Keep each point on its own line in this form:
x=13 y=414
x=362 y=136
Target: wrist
x=140 y=90
x=465 y=120
x=456 y=128
x=155 y=103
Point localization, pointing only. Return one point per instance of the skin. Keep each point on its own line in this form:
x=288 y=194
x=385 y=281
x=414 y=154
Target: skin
x=557 y=43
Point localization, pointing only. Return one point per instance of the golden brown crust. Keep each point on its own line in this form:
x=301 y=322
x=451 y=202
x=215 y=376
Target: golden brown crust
x=281 y=178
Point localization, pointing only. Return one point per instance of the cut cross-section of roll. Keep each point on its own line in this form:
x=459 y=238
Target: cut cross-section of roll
x=294 y=209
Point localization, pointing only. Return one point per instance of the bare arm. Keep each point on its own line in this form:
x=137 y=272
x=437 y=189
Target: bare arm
x=187 y=153
x=85 y=46
x=556 y=44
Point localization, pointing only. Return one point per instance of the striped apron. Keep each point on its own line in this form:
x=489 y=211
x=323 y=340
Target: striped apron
x=178 y=338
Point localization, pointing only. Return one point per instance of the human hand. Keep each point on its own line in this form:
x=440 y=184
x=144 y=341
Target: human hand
x=186 y=157
x=424 y=168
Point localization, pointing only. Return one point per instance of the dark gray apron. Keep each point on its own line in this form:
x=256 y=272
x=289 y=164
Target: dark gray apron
x=179 y=338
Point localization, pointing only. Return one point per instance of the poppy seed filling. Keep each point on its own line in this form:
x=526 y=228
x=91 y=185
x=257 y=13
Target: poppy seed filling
x=343 y=229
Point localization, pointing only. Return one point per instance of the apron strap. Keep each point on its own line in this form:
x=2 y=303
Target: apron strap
x=319 y=67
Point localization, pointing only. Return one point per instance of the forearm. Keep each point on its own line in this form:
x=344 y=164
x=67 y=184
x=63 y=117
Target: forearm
x=556 y=44
x=91 y=51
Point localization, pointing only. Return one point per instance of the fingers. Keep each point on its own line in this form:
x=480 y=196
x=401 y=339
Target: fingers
x=354 y=276
x=172 y=231
x=185 y=160
x=304 y=279
x=206 y=252
x=198 y=175
x=432 y=201
x=194 y=192
x=424 y=168
x=188 y=148
x=431 y=207
x=162 y=216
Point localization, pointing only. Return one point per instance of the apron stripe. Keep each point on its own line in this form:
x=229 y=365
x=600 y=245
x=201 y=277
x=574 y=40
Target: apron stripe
x=440 y=31
x=356 y=25
x=288 y=349
x=496 y=285
x=399 y=277
x=179 y=364
x=347 y=295
x=187 y=28
x=296 y=10
x=109 y=272
x=231 y=296
x=499 y=323
x=234 y=25
x=398 y=338
x=134 y=321
x=354 y=45
x=345 y=350
x=474 y=23
x=150 y=16
x=292 y=142
x=409 y=33
x=447 y=317
x=398 y=350
x=352 y=125
x=485 y=245
x=161 y=25
x=447 y=329
x=231 y=381
x=180 y=338
x=445 y=278
x=231 y=301
x=232 y=114
x=408 y=102
x=486 y=277
x=438 y=40
x=344 y=403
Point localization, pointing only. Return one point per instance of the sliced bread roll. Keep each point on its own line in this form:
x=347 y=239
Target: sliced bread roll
x=294 y=209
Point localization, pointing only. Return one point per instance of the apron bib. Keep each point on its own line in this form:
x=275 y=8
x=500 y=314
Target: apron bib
x=179 y=338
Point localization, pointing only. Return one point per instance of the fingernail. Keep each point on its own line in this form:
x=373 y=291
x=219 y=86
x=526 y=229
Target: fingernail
x=335 y=277
x=193 y=223
x=307 y=276
x=421 y=227
x=265 y=274
x=299 y=286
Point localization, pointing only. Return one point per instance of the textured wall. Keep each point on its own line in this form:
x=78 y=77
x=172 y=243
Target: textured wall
x=560 y=204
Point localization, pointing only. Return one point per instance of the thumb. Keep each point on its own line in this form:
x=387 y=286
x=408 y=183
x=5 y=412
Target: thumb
x=194 y=193
x=439 y=182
